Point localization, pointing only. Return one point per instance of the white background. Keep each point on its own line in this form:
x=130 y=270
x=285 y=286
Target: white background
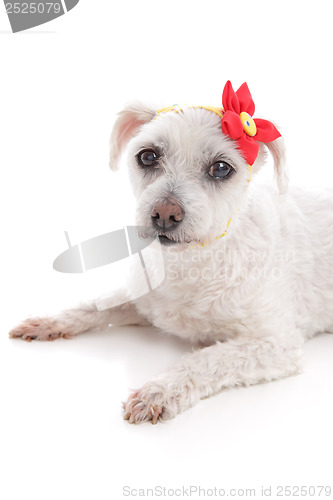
x=62 y=433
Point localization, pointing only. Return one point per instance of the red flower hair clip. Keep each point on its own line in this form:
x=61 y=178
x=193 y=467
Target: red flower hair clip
x=238 y=124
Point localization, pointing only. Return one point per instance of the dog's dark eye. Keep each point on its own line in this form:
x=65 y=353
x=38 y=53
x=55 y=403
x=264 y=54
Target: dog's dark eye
x=220 y=170
x=147 y=158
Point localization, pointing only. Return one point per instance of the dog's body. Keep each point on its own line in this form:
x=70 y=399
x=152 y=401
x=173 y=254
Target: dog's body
x=249 y=273
x=271 y=273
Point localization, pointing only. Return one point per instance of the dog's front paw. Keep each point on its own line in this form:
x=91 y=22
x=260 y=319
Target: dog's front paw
x=156 y=402
x=40 y=329
x=138 y=410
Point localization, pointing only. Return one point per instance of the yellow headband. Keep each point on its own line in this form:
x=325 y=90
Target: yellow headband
x=179 y=109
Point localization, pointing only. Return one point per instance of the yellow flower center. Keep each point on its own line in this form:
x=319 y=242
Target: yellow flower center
x=249 y=126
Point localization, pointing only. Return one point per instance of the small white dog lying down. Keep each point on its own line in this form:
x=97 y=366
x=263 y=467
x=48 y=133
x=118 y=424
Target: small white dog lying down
x=249 y=272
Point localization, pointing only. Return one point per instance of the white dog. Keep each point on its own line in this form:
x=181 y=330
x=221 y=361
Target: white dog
x=249 y=272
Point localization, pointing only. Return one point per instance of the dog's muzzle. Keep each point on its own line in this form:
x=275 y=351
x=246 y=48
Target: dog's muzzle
x=166 y=216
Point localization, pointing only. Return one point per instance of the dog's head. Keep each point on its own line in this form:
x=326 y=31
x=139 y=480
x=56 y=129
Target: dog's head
x=188 y=176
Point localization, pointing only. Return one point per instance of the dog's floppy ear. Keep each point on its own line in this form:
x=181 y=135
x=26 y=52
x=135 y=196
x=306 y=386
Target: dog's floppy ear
x=278 y=151
x=128 y=121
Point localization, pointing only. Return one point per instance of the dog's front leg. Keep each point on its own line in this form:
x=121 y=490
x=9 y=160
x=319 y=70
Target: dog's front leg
x=206 y=372
x=80 y=319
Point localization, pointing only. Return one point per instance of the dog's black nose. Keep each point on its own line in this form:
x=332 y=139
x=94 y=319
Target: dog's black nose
x=167 y=214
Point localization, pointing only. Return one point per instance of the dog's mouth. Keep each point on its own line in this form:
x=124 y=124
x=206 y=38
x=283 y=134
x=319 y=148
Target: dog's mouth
x=170 y=240
x=164 y=240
